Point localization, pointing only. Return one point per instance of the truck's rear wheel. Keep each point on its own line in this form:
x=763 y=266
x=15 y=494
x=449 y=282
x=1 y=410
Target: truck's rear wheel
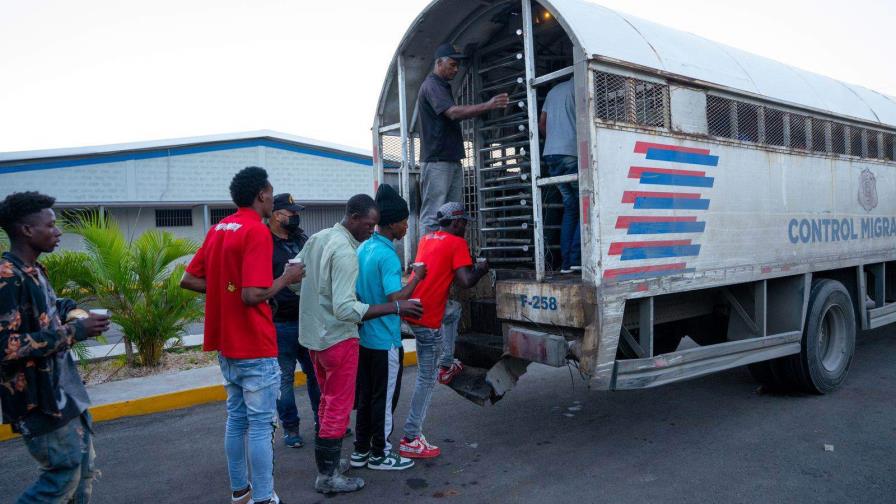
x=829 y=339
x=827 y=346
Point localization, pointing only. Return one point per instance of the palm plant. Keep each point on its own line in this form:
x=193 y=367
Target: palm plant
x=66 y=270
x=138 y=281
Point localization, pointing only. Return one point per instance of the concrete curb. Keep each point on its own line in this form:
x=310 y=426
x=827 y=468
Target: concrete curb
x=170 y=401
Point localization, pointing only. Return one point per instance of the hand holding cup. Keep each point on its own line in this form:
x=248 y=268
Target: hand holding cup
x=294 y=271
x=419 y=270
x=97 y=322
x=412 y=308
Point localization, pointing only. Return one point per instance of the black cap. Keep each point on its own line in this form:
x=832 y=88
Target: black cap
x=449 y=51
x=284 y=201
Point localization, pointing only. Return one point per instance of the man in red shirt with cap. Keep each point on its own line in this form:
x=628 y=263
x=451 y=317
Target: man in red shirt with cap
x=446 y=255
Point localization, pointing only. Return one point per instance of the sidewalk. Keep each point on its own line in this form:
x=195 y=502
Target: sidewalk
x=154 y=394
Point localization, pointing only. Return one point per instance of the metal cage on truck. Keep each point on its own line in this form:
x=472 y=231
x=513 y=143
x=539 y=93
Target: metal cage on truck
x=734 y=210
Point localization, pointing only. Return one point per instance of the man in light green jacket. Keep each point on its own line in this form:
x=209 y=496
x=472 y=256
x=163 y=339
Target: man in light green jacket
x=329 y=315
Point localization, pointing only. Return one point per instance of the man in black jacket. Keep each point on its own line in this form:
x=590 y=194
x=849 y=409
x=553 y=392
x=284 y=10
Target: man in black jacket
x=288 y=242
x=41 y=393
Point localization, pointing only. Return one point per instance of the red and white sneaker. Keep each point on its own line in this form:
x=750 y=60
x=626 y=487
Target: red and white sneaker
x=448 y=374
x=418 y=448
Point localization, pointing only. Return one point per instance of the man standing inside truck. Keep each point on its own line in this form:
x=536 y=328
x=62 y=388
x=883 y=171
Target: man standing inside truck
x=440 y=134
x=446 y=255
x=558 y=123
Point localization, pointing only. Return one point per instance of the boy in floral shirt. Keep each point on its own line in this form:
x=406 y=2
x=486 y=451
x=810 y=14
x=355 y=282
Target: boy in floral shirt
x=41 y=392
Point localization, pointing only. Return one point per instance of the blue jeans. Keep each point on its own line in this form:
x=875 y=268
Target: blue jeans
x=66 y=464
x=435 y=347
x=429 y=344
x=289 y=351
x=449 y=333
x=570 y=232
x=252 y=388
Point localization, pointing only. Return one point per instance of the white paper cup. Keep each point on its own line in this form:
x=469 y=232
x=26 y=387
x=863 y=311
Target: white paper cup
x=102 y=312
x=480 y=260
x=295 y=261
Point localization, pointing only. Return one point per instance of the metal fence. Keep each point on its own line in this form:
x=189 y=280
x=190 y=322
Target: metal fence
x=761 y=124
x=466 y=96
x=622 y=99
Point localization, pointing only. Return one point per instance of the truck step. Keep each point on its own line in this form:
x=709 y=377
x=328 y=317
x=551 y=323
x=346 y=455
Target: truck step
x=478 y=384
x=471 y=385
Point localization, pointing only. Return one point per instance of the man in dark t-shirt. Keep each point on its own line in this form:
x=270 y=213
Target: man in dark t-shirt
x=288 y=242
x=440 y=134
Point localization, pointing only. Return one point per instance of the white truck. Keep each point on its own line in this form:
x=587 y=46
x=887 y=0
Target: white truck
x=740 y=202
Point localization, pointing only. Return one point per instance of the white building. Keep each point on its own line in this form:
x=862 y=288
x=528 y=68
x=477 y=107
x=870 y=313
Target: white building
x=182 y=185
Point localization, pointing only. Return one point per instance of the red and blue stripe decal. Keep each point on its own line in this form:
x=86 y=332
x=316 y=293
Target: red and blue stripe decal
x=681 y=182
x=676 y=154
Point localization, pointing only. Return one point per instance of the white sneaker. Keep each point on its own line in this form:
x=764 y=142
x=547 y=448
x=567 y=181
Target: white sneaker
x=390 y=462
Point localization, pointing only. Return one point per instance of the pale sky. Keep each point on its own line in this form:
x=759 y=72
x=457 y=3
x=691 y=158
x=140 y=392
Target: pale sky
x=92 y=72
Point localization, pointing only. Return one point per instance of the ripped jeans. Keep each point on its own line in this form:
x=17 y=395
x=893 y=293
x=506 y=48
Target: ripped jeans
x=66 y=459
x=252 y=389
x=435 y=348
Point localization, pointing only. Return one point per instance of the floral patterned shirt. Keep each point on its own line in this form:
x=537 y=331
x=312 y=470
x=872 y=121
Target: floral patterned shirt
x=29 y=344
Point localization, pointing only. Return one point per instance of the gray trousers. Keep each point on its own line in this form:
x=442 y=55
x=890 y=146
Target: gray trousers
x=441 y=182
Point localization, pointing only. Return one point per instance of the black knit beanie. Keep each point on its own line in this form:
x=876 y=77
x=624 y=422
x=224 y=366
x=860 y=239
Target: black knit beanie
x=393 y=208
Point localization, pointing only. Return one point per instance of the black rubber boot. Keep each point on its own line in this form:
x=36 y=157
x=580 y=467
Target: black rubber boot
x=329 y=478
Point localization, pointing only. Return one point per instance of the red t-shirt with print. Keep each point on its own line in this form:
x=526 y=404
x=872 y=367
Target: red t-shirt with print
x=236 y=253
x=443 y=253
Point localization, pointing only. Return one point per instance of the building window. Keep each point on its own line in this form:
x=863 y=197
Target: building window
x=890 y=147
x=174 y=217
x=216 y=214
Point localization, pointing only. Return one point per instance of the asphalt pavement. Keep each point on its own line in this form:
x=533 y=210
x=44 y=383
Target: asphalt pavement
x=714 y=439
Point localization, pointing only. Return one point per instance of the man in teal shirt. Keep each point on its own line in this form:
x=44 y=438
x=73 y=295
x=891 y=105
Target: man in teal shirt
x=381 y=353
x=329 y=314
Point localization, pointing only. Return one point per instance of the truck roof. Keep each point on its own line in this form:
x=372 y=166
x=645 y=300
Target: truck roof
x=606 y=33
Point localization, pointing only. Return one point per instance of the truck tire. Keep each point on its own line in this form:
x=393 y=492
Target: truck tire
x=828 y=342
x=827 y=345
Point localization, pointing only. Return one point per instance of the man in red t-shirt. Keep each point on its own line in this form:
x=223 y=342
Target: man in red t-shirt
x=447 y=258
x=233 y=269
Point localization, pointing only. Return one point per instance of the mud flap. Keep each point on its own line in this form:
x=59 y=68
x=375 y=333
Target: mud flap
x=478 y=384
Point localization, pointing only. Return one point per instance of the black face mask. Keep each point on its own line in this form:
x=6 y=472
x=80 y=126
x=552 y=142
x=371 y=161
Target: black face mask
x=292 y=225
